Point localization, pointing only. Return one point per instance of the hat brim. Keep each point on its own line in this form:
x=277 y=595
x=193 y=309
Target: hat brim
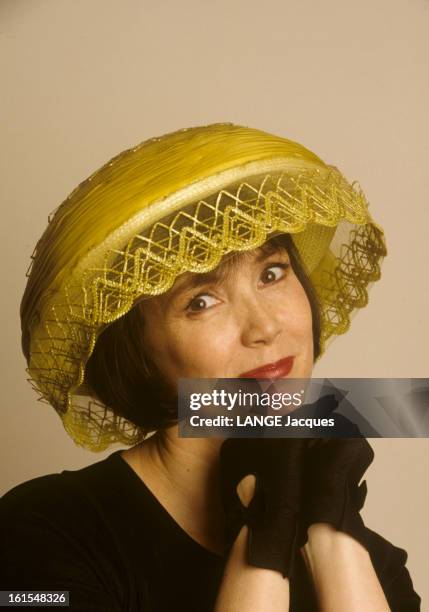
x=190 y=231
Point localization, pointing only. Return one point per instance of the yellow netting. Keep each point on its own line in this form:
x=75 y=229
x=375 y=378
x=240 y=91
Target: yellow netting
x=313 y=204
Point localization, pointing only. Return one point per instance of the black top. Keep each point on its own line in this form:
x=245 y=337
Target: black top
x=101 y=534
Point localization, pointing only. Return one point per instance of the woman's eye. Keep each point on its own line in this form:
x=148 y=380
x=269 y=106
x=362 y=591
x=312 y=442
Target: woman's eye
x=201 y=302
x=273 y=276
x=196 y=304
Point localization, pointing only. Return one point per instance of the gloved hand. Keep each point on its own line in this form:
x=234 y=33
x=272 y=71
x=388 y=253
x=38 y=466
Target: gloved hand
x=272 y=515
x=333 y=469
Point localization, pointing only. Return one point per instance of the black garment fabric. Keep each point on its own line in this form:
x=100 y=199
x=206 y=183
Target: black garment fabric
x=100 y=533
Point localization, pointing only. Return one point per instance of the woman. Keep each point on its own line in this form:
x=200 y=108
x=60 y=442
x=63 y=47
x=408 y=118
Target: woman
x=205 y=253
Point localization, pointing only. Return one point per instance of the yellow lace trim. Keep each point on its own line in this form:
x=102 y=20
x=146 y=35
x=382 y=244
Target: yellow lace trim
x=311 y=204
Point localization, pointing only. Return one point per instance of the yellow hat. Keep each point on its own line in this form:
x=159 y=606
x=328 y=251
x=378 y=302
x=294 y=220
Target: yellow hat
x=174 y=204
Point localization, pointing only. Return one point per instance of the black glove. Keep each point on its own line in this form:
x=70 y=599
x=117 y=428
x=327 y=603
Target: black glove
x=272 y=515
x=333 y=469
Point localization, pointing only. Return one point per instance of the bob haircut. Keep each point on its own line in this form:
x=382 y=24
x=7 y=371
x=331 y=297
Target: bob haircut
x=121 y=374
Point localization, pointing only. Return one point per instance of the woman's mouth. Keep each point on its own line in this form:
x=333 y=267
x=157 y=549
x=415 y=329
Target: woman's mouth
x=279 y=369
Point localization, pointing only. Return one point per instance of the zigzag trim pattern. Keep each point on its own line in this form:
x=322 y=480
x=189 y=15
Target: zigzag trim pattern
x=195 y=240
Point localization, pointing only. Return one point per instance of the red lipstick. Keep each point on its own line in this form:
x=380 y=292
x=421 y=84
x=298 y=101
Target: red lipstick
x=279 y=369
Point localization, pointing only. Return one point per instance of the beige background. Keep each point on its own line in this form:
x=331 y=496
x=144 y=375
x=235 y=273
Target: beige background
x=85 y=79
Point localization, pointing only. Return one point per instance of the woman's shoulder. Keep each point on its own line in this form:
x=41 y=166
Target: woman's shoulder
x=384 y=552
x=55 y=530
x=62 y=492
x=389 y=561
x=41 y=495
x=41 y=492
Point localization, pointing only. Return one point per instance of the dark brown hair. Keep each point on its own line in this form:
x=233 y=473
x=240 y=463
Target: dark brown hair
x=122 y=375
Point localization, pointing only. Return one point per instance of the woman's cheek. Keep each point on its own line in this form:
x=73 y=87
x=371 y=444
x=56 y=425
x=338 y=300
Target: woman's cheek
x=205 y=348
x=303 y=311
x=190 y=353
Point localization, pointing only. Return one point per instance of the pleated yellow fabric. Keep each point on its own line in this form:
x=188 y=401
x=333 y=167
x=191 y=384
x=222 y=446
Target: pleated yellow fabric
x=173 y=204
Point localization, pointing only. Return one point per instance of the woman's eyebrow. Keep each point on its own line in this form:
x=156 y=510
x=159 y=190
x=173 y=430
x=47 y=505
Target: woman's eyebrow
x=196 y=280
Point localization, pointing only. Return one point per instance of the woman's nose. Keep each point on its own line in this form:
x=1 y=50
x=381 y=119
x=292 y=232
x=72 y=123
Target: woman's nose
x=259 y=319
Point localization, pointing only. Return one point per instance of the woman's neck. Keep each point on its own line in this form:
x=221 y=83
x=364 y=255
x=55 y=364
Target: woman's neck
x=183 y=474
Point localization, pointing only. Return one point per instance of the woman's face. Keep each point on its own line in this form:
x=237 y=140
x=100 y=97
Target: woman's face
x=239 y=317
